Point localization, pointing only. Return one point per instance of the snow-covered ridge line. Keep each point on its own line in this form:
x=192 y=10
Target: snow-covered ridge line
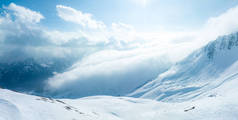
x=226 y=42
x=200 y=72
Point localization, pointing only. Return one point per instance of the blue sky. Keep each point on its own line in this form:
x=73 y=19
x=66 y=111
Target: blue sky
x=153 y=15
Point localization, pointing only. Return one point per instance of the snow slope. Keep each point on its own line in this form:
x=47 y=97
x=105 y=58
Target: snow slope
x=202 y=71
x=219 y=104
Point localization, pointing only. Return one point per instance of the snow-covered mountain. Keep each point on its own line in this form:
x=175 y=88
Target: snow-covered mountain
x=201 y=87
x=202 y=71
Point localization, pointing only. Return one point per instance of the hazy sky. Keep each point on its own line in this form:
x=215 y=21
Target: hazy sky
x=144 y=15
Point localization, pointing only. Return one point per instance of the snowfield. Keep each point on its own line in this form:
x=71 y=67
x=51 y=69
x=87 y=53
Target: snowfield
x=218 y=104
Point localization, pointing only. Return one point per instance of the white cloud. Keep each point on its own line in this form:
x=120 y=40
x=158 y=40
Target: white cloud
x=24 y=14
x=20 y=34
x=223 y=24
x=110 y=71
x=123 y=32
x=85 y=19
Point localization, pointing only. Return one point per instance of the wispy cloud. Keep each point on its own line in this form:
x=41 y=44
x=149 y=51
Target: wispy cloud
x=225 y=23
x=25 y=15
x=84 y=19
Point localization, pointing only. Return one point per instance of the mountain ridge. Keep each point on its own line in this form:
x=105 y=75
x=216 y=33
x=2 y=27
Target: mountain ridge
x=201 y=71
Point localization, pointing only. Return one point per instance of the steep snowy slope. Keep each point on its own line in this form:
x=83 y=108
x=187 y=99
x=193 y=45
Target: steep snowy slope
x=202 y=71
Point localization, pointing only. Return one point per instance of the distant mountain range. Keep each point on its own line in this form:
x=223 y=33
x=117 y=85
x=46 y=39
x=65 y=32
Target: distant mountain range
x=29 y=75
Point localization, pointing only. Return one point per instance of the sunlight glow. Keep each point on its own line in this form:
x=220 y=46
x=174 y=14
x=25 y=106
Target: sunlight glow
x=142 y=2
